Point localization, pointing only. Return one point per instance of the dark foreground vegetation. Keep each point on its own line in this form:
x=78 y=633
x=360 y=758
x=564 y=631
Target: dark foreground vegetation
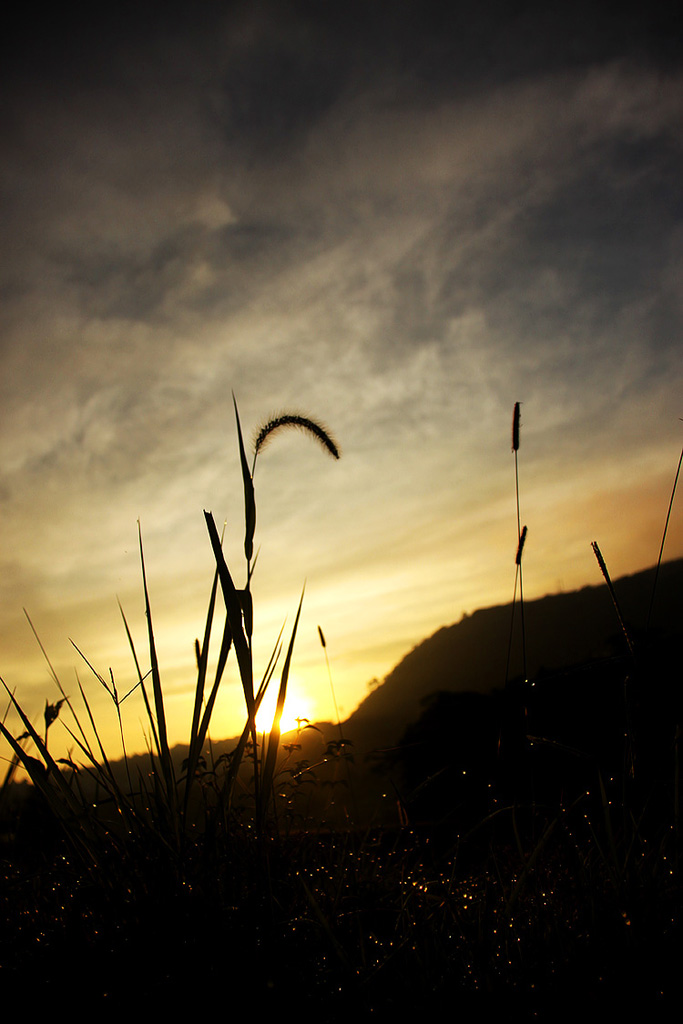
x=531 y=864
x=539 y=902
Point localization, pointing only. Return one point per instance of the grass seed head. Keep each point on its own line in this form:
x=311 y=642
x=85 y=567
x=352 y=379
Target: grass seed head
x=520 y=547
x=317 y=430
x=515 y=427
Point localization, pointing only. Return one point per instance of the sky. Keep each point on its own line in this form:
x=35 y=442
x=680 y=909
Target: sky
x=397 y=219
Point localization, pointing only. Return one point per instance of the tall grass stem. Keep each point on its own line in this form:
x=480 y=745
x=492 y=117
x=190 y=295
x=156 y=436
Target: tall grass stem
x=661 y=546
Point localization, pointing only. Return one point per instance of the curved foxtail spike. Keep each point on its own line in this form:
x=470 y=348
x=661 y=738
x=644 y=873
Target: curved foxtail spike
x=317 y=430
x=515 y=427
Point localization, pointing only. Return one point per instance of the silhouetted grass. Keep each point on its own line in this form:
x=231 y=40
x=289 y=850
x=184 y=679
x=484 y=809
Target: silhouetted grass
x=224 y=881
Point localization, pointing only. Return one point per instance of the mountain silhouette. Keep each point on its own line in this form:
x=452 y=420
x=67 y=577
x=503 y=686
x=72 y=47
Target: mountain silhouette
x=562 y=631
x=444 y=707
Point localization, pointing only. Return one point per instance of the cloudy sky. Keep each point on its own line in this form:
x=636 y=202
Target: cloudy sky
x=393 y=218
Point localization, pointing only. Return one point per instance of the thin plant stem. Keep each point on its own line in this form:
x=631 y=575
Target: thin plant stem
x=342 y=740
x=519 y=568
x=661 y=546
x=512 y=626
x=323 y=644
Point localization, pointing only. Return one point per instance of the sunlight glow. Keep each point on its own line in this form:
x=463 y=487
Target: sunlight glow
x=297 y=706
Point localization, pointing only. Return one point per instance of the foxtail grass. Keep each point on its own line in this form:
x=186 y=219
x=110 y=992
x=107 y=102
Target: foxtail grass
x=376 y=920
x=521 y=539
x=163 y=803
x=264 y=433
x=613 y=594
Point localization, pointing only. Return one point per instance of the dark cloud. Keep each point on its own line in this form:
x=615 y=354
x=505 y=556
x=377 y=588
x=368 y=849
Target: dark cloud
x=299 y=53
x=274 y=91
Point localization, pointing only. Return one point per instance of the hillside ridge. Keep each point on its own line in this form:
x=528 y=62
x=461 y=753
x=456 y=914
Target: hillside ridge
x=562 y=630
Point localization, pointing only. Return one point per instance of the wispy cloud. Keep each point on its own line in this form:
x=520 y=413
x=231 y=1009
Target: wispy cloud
x=382 y=224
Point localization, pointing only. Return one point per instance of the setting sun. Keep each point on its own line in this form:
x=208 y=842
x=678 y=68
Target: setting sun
x=297 y=711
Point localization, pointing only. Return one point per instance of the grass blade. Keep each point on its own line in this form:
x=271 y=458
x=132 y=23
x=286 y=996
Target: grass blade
x=274 y=738
x=164 y=750
x=249 y=499
x=242 y=647
x=141 y=681
x=661 y=546
x=234 y=609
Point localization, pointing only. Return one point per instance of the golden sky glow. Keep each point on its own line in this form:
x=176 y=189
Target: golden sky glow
x=394 y=239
